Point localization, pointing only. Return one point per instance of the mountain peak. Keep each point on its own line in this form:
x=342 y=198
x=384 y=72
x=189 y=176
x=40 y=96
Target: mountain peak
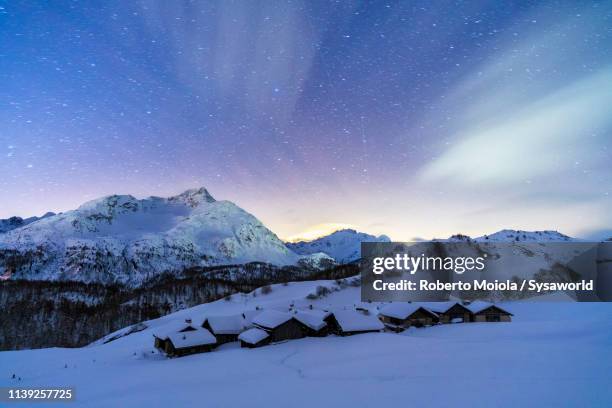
x=343 y=231
x=343 y=245
x=194 y=197
x=121 y=239
x=108 y=203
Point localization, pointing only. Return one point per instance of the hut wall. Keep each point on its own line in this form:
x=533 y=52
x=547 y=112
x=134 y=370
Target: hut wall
x=314 y=333
x=420 y=318
x=169 y=348
x=160 y=344
x=193 y=350
x=395 y=321
x=291 y=329
x=221 y=338
x=457 y=311
x=332 y=324
x=226 y=338
x=258 y=344
x=492 y=317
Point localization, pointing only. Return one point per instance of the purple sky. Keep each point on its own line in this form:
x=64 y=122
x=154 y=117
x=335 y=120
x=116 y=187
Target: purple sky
x=405 y=118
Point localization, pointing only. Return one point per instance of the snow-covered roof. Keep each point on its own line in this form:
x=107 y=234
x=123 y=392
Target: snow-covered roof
x=197 y=337
x=439 y=307
x=442 y=307
x=478 y=306
x=312 y=320
x=249 y=315
x=173 y=327
x=198 y=321
x=253 y=336
x=226 y=324
x=270 y=319
x=402 y=310
x=317 y=312
x=351 y=320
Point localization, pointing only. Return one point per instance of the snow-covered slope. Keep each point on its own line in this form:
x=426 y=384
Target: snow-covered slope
x=122 y=239
x=546 y=255
x=525 y=236
x=318 y=260
x=344 y=245
x=551 y=354
x=12 y=223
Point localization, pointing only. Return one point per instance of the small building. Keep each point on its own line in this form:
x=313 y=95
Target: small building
x=401 y=315
x=312 y=322
x=454 y=312
x=487 y=312
x=349 y=322
x=190 y=342
x=225 y=328
x=253 y=338
x=162 y=334
x=279 y=325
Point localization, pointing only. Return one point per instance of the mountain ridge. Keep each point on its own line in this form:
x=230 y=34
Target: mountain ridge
x=343 y=245
x=15 y=222
x=121 y=239
x=125 y=240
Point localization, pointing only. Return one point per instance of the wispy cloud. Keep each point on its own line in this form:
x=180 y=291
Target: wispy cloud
x=546 y=137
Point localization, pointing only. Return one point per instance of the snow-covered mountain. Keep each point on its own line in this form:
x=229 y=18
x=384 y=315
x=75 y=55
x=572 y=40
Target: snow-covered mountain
x=545 y=256
x=123 y=239
x=9 y=224
x=343 y=245
x=507 y=235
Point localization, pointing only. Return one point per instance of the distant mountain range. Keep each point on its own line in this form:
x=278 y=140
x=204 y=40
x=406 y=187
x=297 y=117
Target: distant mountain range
x=525 y=236
x=121 y=239
x=344 y=245
x=12 y=223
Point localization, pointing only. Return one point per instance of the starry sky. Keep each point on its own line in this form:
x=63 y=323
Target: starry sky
x=413 y=118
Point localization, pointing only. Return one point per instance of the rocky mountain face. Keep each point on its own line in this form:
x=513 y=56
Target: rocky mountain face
x=123 y=240
x=344 y=246
x=12 y=223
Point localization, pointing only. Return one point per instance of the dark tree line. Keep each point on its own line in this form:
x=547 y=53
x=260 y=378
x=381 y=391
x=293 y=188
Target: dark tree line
x=38 y=314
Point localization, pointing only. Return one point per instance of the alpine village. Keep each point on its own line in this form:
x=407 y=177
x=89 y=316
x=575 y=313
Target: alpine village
x=256 y=328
